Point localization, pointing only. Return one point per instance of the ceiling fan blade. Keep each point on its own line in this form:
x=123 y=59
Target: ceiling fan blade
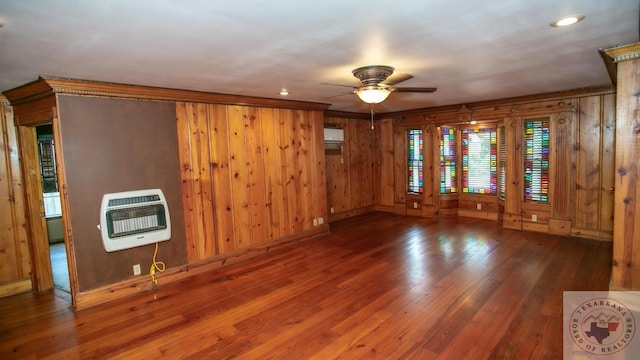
x=415 y=89
x=349 y=86
x=334 y=96
x=396 y=79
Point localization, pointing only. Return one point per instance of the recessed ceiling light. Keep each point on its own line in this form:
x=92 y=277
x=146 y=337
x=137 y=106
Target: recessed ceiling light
x=567 y=20
x=284 y=92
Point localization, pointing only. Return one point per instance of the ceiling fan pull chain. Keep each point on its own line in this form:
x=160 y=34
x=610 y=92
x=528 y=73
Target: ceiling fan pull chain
x=371 y=116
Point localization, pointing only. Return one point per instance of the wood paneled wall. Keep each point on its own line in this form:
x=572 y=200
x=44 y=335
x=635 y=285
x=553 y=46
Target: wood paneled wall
x=349 y=170
x=581 y=158
x=250 y=175
x=254 y=174
x=15 y=264
x=249 y=172
x=383 y=190
x=625 y=273
x=594 y=170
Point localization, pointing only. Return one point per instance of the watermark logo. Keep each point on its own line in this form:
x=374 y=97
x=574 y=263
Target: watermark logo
x=602 y=326
x=600 y=323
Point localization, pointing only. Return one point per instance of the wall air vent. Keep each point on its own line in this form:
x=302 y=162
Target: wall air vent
x=134 y=218
x=333 y=135
x=333 y=139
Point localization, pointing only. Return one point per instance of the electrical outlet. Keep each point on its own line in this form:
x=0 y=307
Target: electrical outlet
x=320 y=221
x=315 y=222
x=331 y=210
x=534 y=217
x=136 y=269
x=479 y=206
x=415 y=205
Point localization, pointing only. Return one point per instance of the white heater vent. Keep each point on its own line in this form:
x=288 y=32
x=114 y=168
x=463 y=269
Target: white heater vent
x=134 y=218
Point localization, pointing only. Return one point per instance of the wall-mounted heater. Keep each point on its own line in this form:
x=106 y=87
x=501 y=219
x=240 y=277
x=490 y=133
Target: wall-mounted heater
x=134 y=218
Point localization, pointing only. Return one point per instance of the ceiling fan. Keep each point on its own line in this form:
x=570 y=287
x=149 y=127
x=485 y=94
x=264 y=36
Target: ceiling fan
x=377 y=83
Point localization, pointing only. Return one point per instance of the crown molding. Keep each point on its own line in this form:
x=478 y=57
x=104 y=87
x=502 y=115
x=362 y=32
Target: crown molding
x=623 y=53
x=47 y=85
x=508 y=102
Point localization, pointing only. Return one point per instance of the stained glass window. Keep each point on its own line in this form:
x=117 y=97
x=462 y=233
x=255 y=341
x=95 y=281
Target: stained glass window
x=536 y=160
x=479 y=161
x=416 y=180
x=448 y=158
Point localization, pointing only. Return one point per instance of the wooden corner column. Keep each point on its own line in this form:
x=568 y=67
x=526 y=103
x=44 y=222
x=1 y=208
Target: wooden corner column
x=625 y=273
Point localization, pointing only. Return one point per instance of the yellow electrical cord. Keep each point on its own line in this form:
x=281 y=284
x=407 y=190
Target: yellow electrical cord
x=156 y=266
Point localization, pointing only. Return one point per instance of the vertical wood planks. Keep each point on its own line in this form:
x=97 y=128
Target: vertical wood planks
x=514 y=197
x=384 y=181
x=360 y=164
x=69 y=240
x=10 y=250
x=256 y=175
x=19 y=207
x=249 y=175
x=588 y=164
x=273 y=181
x=187 y=179
x=34 y=206
x=301 y=170
x=221 y=168
x=607 y=161
x=318 y=174
x=239 y=170
x=195 y=173
x=561 y=160
x=286 y=176
x=400 y=164
x=626 y=231
x=353 y=176
x=337 y=174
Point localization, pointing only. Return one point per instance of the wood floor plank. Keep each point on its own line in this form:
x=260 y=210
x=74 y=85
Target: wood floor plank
x=379 y=286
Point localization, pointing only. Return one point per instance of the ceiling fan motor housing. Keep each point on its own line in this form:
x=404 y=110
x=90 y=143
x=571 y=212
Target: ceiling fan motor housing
x=373 y=75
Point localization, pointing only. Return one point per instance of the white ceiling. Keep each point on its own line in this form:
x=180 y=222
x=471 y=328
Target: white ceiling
x=471 y=50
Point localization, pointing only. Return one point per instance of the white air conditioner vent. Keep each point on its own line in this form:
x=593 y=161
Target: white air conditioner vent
x=333 y=135
x=134 y=218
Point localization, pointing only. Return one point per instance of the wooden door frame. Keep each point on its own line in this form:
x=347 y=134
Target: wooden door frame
x=41 y=271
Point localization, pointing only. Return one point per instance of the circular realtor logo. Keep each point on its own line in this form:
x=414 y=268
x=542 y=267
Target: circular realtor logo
x=602 y=326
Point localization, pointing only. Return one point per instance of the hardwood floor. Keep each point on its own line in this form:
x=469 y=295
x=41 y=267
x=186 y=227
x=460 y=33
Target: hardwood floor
x=378 y=287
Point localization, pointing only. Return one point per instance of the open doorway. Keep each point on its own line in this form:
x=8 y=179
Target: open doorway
x=52 y=208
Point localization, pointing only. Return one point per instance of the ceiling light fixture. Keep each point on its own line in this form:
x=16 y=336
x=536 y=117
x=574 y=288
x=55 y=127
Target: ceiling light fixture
x=284 y=92
x=567 y=20
x=373 y=94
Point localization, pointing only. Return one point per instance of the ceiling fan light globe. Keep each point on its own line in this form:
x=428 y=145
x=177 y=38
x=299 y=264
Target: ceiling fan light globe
x=373 y=94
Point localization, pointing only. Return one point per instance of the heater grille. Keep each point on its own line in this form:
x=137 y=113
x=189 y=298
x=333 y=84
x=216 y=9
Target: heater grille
x=134 y=218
